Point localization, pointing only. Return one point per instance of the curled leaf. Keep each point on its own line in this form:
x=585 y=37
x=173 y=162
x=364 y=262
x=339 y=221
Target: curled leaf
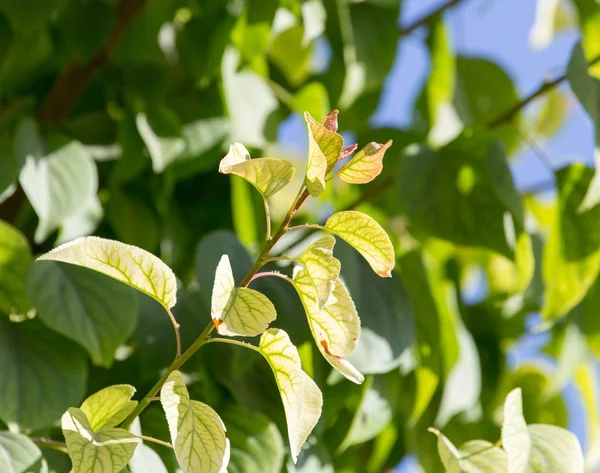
x=367 y=237
x=366 y=165
x=331 y=121
x=302 y=399
x=268 y=175
x=321 y=267
x=126 y=263
x=238 y=311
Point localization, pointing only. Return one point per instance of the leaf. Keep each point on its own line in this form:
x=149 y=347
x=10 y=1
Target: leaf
x=312 y=97
x=324 y=147
x=256 y=444
x=268 y=175
x=571 y=259
x=552 y=115
x=302 y=399
x=58 y=183
x=145 y=459
x=15 y=259
x=247 y=213
x=36 y=363
x=109 y=407
x=321 y=267
x=104 y=451
x=238 y=311
x=366 y=165
x=367 y=237
x=163 y=149
x=448 y=453
x=589 y=19
x=292 y=55
x=335 y=327
x=18 y=454
x=89 y=308
x=197 y=432
x=537 y=448
x=126 y=263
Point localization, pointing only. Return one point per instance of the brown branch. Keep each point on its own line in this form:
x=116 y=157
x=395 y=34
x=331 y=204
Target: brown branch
x=428 y=17
x=75 y=78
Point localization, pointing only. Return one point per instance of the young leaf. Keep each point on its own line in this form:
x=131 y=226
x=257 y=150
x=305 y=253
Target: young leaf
x=268 y=175
x=366 y=165
x=109 y=407
x=321 y=267
x=197 y=432
x=324 y=147
x=302 y=399
x=335 y=327
x=515 y=437
x=238 y=311
x=15 y=259
x=18 y=454
x=105 y=451
x=367 y=237
x=126 y=263
x=448 y=453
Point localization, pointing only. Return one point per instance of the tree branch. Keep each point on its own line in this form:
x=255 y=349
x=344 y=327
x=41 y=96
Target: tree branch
x=74 y=80
x=428 y=17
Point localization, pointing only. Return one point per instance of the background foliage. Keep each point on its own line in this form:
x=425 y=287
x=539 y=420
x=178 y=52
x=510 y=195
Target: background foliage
x=114 y=115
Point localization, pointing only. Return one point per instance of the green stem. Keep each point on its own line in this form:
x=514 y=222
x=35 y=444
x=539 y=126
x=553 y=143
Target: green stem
x=50 y=443
x=176 y=328
x=231 y=341
x=271 y=259
x=152 y=439
x=268 y=219
x=203 y=338
x=312 y=226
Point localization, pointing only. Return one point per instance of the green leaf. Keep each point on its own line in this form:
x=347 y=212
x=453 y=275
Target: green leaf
x=321 y=267
x=268 y=175
x=36 y=363
x=103 y=451
x=256 y=444
x=109 y=407
x=197 y=432
x=313 y=97
x=238 y=311
x=448 y=453
x=366 y=165
x=162 y=149
x=89 y=308
x=367 y=237
x=537 y=448
x=589 y=19
x=302 y=399
x=247 y=213
x=552 y=115
x=475 y=456
x=65 y=177
x=292 y=55
x=126 y=263
x=15 y=259
x=571 y=259
x=324 y=147
x=18 y=454
x=335 y=327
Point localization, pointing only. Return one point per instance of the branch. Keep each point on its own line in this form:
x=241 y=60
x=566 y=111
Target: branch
x=428 y=17
x=74 y=80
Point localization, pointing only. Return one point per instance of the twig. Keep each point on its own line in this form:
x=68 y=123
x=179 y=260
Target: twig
x=50 y=443
x=428 y=17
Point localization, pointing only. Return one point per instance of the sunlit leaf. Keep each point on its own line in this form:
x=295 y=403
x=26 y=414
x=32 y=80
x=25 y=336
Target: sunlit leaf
x=109 y=407
x=238 y=311
x=197 y=432
x=268 y=175
x=15 y=259
x=335 y=327
x=18 y=454
x=552 y=114
x=366 y=165
x=448 y=453
x=126 y=263
x=321 y=267
x=104 y=451
x=324 y=148
x=302 y=399
x=162 y=149
x=367 y=237
x=589 y=19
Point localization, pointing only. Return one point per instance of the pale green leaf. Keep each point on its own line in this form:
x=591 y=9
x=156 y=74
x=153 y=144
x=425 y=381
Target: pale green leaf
x=238 y=311
x=551 y=17
x=515 y=436
x=105 y=451
x=18 y=454
x=291 y=55
x=109 y=407
x=367 y=237
x=553 y=449
x=145 y=459
x=246 y=214
x=163 y=150
x=36 y=363
x=126 y=263
x=366 y=165
x=321 y=267
x=268 y=175
x=552 y=114
x=314 y=16
x=324 y=147
x=312 y=97
x=197 y=432
x=97 y=312
x=15 y=259
x=448 y=453
x=335 y=327
x=480 y=456
x=589 y=19
x=302 y=399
